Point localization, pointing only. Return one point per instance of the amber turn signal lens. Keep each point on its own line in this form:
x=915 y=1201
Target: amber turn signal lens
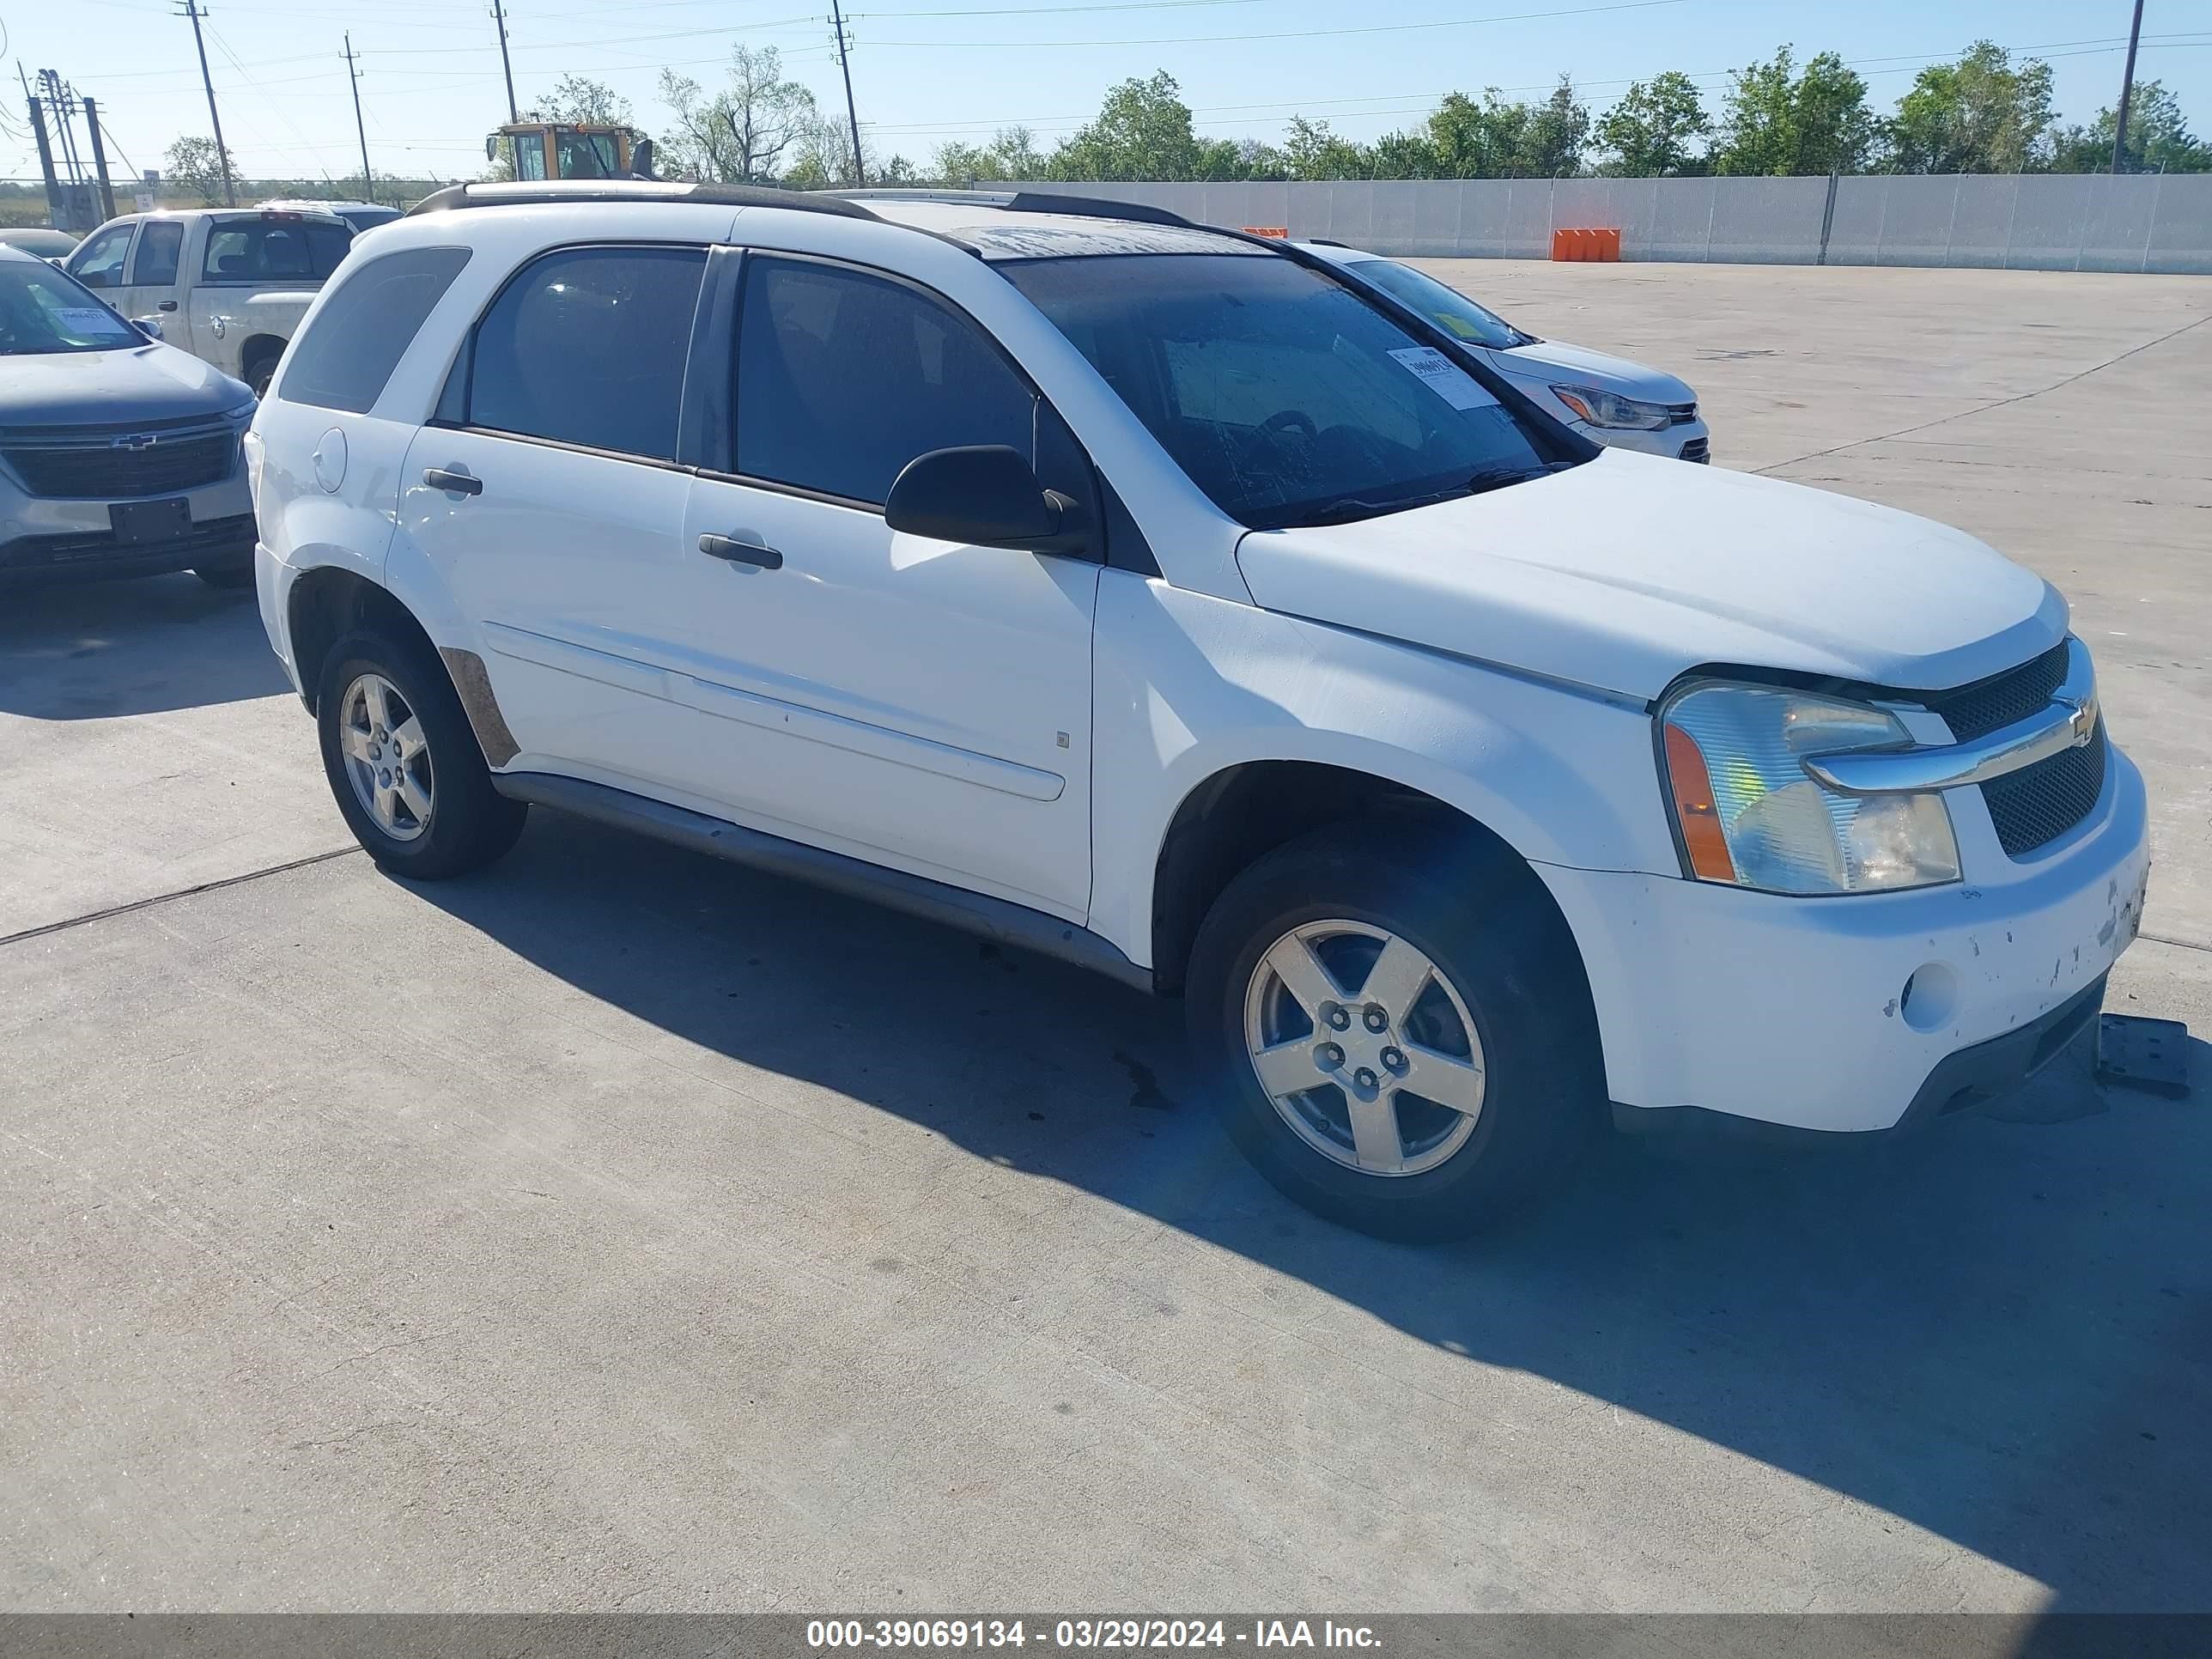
x=1700 y=821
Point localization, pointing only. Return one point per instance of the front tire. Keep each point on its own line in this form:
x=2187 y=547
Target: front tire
x=403 y=764
x=1396 y=1028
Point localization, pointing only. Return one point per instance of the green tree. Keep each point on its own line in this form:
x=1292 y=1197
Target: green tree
x=1654 y=131
x=1311 y=150
x=1142 y=130
x=194 y=166
x=2159 y=139
x=1497 y=140
x=1012 y=155
x=1978 y=115
x=1779 y=122
x=581 y=101
x=743 y=133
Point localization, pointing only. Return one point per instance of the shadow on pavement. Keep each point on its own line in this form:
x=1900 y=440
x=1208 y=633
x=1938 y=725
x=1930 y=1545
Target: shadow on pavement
x=95 y=650
x=2001 y=1333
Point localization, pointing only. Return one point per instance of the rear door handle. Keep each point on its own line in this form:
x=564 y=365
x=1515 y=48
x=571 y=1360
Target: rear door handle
x=740 y=552
x=461 y=484
x=166 y=305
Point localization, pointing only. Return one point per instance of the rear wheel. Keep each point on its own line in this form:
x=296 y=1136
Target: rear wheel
x=1397 y=1029
x=403 y=764
x=260 y=372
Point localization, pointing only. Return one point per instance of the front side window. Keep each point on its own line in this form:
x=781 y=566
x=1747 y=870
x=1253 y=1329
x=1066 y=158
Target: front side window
x=43 y=312
x=843 y=377
x=155 y=264
x=1447 y=307
x=1285 y=396
x=358 y=337
x=99 y=263
x=295 y=252
x=587 y=346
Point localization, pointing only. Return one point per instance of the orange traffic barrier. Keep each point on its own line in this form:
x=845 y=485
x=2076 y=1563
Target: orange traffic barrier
x=1599 y=246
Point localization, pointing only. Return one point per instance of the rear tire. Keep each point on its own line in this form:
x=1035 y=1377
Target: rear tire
x=402 y=763
x=1364 y=964
x=259 y=373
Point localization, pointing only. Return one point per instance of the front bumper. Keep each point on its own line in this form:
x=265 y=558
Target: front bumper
x=1690 y=441
x=1795 y=1011
x=45 y=540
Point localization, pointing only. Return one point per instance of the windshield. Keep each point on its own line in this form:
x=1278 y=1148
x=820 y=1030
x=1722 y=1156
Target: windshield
x=1287 y=398
x=1447 y=307
x=43 y=311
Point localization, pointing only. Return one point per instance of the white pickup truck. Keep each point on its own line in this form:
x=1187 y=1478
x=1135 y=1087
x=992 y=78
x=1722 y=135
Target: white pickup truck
x=229 y=285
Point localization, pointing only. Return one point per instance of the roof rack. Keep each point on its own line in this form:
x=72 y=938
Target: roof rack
x=1033 y=201
x=634 y=189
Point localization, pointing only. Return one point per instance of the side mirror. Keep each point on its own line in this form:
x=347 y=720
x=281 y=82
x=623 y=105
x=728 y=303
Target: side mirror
x=149 y=326
x=985 y=495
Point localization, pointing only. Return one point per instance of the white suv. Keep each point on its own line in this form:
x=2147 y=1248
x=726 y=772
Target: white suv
x=1147 y=596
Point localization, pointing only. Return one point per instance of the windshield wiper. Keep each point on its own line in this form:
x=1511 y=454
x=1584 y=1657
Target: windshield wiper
x=1345 y=509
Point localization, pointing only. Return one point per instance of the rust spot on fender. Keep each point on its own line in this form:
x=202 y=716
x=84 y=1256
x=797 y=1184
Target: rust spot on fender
x=470 y=679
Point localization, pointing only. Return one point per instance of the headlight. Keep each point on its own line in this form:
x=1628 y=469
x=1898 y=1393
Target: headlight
x=1610 y=408
x=1749 y=814
x=242 y=412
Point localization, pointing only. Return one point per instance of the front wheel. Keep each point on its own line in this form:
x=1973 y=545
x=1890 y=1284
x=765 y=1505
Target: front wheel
x=402 y=763
x=1396 y=1028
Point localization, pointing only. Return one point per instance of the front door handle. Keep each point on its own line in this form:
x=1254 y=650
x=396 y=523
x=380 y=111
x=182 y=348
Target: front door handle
x=461 y=484
x=740 y=552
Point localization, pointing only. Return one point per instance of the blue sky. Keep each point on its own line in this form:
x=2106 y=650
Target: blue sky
x=929 y=70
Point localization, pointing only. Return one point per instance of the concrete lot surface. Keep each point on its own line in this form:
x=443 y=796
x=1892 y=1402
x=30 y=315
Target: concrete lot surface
x=618 y=1229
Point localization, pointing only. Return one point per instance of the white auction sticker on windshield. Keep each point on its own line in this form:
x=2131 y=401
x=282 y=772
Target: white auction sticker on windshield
x=87 y=320
x=1444 y=377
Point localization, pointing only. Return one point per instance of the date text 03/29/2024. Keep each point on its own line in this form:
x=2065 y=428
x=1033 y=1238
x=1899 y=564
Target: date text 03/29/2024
x=829 y=1635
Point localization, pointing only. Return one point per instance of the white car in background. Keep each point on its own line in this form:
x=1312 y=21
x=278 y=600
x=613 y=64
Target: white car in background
x=1608 y=399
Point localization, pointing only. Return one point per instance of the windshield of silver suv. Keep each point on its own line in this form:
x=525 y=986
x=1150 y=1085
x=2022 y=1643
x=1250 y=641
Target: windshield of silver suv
x=43 y=311
x=1286 y=397
x=1447 y=307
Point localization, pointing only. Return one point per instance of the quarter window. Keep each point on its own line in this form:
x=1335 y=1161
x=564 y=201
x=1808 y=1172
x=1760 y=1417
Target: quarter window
x=358 y=337
x=155 y=264
x=843 y=377
x=587 y=346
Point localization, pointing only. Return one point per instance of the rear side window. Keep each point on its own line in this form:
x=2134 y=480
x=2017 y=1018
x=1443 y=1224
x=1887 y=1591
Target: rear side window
x=358 y=337
x=294 y=250
x=842 y=379
x=587 y=346
x=155 y=264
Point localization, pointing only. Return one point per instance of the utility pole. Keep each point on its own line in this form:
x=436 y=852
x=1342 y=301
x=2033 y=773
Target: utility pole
x=99 y=159
x=2127 y=91
x=844 y=62
x=353 y=79
x=56 y=216
x=222 y=155
x=64 y=107
x=499 y=14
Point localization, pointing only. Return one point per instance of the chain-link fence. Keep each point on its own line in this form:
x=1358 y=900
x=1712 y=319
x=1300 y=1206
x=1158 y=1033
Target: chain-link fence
x=2040 y=221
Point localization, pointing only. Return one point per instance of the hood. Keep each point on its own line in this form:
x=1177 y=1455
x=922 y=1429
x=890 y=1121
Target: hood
x=1626 y=572
x=1555 y=361
x=152 y=382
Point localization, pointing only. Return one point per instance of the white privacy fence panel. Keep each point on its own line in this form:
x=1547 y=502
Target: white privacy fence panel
x=2041 y=222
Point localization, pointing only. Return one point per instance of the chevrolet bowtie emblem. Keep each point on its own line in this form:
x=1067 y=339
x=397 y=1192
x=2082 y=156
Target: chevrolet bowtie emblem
x=2081 y=720
x=134 y=440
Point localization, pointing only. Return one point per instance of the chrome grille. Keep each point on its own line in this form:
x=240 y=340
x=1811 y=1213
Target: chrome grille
x=121 y=463
x=2032 y=808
